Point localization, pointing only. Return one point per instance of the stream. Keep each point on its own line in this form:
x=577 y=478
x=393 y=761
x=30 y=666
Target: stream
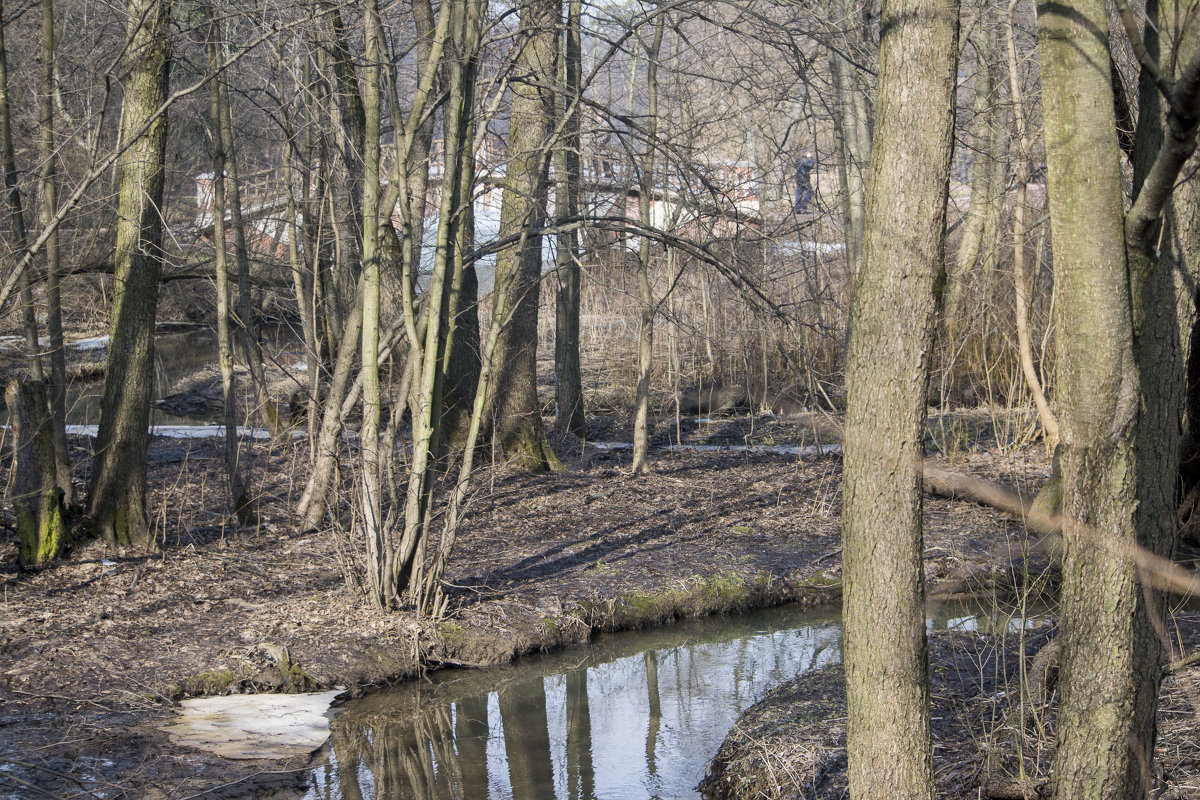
x=632 y=715
x=177 y=355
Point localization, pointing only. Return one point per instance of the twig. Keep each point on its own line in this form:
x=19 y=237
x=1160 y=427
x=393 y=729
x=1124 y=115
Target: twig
x=1154 y=570
x=452 y=662
x=830 y=554
x=1181 y=663
x=62 y=697
x=46 y=770
x=28 y=785
x=252 y=776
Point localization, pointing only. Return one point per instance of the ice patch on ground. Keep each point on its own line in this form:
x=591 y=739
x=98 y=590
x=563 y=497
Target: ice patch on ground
x=248 y=726
x=774 y=449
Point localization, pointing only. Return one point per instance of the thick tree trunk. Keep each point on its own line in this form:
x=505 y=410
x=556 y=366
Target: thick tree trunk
x=1098 y=396
x=42 y=529
x=514 y=413
x=461 y=358
x=1122 y=312
x=893 y=318
x=118 y=494
x=1162 y=346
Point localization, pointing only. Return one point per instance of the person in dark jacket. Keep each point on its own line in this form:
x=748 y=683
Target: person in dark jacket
x=804 y=190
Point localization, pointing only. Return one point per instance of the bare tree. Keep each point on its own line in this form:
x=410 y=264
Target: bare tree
x=118 y=493
x=514 y=413
x=887 y=376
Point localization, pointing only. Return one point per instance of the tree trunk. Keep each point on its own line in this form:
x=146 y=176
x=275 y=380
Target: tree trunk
x=313 y=502
x=428 y=353
x=243 y=507
x=856 y=137
x=302 y=281
x=1122 y=311
x=251 y=348
x=568 y=380
x=18 y=235
x=986 y=139
x=1162 y=346
x=118 y=494
x=854 y=163
x=461 y=358
x=345 y=144
x=42 y=529
x=371 y=505
x=641 y=402
x=513 y=409
x=47 y=147
x=893 y=317
x=1020 y=279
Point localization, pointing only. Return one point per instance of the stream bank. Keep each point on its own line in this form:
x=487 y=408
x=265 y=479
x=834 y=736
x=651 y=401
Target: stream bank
x=95 y=648
x=792 y=743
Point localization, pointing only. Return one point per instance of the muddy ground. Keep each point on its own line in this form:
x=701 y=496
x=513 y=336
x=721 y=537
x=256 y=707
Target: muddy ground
x=94 y=651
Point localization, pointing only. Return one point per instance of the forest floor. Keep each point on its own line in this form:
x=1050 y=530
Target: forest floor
x=95 y=650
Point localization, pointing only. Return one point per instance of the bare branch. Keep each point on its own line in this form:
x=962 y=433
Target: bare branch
x=1139 y=49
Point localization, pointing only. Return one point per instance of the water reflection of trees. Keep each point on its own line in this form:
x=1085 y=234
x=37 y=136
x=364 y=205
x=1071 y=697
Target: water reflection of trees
x=581 y=777
x=401 y=757
x=487 y=734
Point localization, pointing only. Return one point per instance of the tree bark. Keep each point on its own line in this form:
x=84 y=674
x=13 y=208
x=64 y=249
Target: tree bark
x=344 y=143
x=314 y=501
x=17 y=233
x=47 y=152
x=985 y=137
x=568 y=380
x=118 y=493
x=641 y=401
x=243 y=507
x=1122 y=310
x=371 y=505
x=856 y=133
x=1162 y=347
x=1020 y=278
x=251 y=348
x=42 y=530
x=513 y=410
x=893 y=317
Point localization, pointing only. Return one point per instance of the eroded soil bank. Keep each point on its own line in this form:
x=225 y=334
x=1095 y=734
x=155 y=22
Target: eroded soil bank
x=94 y=650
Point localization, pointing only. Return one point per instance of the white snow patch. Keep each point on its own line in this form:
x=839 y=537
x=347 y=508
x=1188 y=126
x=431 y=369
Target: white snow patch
x=94 y=343
x=774 y=449
x=187 y=431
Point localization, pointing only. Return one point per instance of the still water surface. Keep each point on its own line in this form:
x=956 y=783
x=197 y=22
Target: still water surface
x=634 y=715
x=177 y=356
